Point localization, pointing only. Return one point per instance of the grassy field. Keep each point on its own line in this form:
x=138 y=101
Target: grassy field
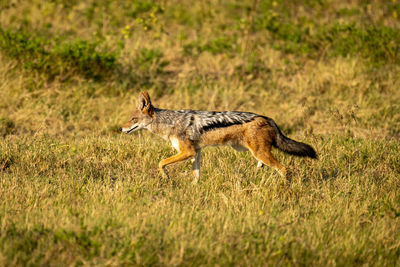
x=74 y=191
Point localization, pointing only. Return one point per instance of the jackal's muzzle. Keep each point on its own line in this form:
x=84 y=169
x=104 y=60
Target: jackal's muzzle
x=129 y=130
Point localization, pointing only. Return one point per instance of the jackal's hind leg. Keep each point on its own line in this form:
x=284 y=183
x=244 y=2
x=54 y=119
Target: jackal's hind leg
x=196 y=167
x=264 y=156
x=267 y=158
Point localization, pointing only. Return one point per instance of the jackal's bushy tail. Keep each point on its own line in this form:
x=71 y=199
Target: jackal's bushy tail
x=290 y=146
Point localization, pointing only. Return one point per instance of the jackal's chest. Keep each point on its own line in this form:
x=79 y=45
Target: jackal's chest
x=175 y=143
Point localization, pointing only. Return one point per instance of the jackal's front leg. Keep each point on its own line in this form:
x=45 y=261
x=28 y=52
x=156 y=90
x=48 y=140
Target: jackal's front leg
x=174 y=159
x=196 y=167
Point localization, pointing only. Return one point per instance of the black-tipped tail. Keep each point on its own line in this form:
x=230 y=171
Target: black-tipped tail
x=290 y=146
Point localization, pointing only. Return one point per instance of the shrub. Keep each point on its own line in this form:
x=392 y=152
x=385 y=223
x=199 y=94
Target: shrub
x=54 y=57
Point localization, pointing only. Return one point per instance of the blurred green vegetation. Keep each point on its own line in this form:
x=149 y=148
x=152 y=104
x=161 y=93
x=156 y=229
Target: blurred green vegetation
x=56 y=57
x=348 y=32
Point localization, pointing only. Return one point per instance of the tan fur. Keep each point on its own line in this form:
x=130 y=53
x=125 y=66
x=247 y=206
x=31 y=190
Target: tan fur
x=186 y=151
x=257 y=136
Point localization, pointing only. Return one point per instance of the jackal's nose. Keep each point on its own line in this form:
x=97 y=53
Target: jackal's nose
x=120 y=129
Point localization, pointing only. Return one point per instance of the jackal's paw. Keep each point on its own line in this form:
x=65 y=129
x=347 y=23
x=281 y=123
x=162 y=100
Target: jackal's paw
x=289 y=175
x=260 y=165
x=164 y=173
x=195 y=181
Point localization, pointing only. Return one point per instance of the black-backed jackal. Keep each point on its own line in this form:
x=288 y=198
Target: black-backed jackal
x=190 y=130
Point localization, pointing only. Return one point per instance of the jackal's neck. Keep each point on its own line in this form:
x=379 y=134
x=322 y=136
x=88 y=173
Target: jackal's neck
x=165 y=116
x=165 y=123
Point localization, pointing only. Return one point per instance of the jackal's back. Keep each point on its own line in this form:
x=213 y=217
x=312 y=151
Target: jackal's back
x=193 y=123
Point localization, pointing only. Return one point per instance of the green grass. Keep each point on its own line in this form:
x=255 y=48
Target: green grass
x=74 y=191
x=56 y=58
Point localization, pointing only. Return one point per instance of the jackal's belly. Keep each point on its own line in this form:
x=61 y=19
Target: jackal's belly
x=239 y=147
x=231 y=136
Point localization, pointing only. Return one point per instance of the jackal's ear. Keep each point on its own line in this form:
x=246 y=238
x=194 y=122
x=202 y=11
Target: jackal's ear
x=145 y=102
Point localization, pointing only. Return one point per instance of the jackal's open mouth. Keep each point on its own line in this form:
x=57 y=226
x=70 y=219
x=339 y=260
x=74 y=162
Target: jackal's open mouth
x=131 y=130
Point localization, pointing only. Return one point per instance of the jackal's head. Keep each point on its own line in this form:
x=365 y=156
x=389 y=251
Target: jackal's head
x=141 y=117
